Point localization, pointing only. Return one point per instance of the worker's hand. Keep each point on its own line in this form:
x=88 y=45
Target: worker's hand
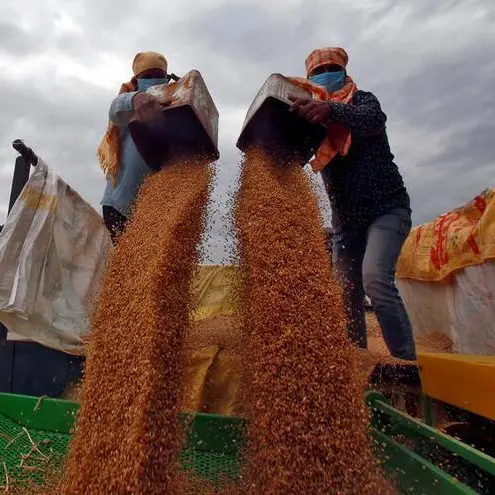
x=146 y=107
x=316 y=112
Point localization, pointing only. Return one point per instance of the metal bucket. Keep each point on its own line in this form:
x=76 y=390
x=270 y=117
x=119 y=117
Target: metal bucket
x=187 y=127
x=271 y=126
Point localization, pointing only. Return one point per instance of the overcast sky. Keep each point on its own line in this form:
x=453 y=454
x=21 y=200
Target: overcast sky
x=431 y=64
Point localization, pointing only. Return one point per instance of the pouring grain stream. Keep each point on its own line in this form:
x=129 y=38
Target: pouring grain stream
x=128 y=437
x=308 y=430
x=308 y=422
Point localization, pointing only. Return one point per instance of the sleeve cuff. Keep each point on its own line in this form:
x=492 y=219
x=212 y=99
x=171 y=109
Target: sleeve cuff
x=121 y=108
x=125 y=101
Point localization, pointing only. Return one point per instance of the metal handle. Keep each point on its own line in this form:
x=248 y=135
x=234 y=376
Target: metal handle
x=22 y=168
x=26 y=152
x=173 y=77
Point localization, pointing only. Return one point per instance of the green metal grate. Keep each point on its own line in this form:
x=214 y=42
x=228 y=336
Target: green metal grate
x=24 y=463
x=15 y=442
x=213 y=466
x=214 y=443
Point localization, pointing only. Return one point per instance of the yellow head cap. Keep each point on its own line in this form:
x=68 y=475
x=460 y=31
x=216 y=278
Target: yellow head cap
x=148 y=60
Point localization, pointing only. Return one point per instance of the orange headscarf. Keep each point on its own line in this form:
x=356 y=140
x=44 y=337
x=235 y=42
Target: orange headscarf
x=338 y=139
x=109 y=149
x=326 y=56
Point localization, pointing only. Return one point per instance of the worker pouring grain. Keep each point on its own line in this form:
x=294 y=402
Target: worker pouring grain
x=124 y=167
x=371 y=212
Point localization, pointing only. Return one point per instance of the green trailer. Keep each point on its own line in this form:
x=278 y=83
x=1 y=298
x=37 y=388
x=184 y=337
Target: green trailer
x=35 y=434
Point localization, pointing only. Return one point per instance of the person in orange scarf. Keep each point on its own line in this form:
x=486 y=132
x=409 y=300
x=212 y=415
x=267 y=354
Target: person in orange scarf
x=371 y=213
x=124 y=167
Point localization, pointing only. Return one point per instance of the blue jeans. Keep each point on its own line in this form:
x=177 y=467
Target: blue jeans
x=365 y=262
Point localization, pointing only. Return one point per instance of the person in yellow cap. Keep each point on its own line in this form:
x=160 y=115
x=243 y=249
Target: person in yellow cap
x=124 y=167
x=371 y=214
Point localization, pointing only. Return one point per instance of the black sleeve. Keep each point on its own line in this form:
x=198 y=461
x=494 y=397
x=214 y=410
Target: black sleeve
x=363 y=116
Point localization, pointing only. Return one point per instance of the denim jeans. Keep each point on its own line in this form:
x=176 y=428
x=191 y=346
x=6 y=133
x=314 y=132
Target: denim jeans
x=365 y=262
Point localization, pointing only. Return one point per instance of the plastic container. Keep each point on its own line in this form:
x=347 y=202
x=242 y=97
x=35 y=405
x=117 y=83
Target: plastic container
x=188 y=126
x=271 y=126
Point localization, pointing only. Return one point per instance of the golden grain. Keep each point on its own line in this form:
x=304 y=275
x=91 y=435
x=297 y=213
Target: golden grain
x=128 y=437
x=308 y=424
x=308 y=430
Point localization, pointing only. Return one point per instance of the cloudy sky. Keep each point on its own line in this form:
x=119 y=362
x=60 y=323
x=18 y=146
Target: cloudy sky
x=431 y=63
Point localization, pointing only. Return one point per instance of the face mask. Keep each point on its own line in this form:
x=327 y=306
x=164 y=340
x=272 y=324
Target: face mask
x=144 y=84
x=331 y=81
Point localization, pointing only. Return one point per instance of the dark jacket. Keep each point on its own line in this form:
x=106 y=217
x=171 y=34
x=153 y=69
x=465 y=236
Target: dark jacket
x=365 y=183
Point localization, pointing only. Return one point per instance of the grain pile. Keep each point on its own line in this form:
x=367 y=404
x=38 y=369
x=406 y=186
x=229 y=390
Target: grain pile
x=128 y=437
x=430 y=342
x=435 y=342
x=308 y=422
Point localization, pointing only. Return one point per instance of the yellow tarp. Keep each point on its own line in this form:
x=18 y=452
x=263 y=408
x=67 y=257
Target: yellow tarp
x=212 y=381
x=214 y=290
x=460 y=238
x=212 y=365
x=212 y=375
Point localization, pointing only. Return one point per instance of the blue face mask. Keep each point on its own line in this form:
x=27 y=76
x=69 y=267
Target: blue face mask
x=331 y=81
x=144 y=84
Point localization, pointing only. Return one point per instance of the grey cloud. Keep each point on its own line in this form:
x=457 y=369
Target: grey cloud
x=467 y=150
x=418 y=11
x=244 y=31
x=443 y=191
x=440 y=92
x=17 y=41
x=61 y=126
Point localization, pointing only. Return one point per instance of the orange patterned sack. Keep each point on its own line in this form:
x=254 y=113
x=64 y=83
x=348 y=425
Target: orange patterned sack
x=462 y=237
